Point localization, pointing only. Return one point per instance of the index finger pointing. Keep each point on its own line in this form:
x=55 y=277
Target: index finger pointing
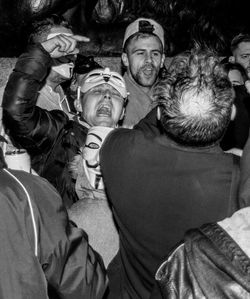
x=81 y=38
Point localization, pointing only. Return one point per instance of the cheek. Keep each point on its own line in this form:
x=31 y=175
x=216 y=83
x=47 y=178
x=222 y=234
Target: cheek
x=88 y=109
x=136 y=62
x=117 y=110
x=157 y=62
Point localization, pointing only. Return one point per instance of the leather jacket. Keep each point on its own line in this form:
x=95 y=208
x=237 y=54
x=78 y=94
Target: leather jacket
x=208 y=264
x=50 y=138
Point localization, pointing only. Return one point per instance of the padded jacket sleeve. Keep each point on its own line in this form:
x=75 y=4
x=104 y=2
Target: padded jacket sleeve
x=29 y=126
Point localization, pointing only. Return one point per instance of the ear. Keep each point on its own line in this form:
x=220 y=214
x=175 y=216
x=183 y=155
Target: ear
x=125 y=59
x=233 y=112
x=158 y=115
x=123 y=113
x=78 y=105
x=231 y=59
x=77 y=102
x=162 y=60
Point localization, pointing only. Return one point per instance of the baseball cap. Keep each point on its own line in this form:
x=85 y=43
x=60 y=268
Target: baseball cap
x=144 y=25
x=104 y=76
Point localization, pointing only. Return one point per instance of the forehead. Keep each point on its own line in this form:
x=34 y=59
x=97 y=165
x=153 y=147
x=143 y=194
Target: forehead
x=236 y=73
x=60 y=29
x=243 y=47
x=150 y=43
x=102 y=87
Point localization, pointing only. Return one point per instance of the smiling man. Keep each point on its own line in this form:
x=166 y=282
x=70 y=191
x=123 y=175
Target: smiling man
x=143 y=56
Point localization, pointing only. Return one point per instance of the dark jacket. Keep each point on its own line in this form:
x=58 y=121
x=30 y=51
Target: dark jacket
x=40 y=249
x=51 y=139
x=158 y=190
x=209 y=264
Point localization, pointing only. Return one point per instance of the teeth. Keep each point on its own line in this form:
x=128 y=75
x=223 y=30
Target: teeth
x=104 y=110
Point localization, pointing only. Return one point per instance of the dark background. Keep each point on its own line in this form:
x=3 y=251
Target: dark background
x=104 y=21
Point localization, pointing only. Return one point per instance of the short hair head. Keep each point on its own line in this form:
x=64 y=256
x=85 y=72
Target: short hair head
x=195 y=99
x=240 y=38
x=229 y=66
x=41 y=28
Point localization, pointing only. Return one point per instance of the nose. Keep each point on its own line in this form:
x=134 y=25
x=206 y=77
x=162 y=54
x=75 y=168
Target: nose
x=107 y=95
x=148 y=57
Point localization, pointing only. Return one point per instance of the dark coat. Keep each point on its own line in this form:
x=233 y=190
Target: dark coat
x=158 y=190
x=40 y=248
x=51 y=139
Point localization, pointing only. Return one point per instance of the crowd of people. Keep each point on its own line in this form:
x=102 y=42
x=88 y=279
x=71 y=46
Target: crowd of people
x=139 y=187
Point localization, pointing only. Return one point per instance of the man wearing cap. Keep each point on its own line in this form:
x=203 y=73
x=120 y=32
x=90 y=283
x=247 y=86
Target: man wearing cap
x=50 y=138
x=143 y=57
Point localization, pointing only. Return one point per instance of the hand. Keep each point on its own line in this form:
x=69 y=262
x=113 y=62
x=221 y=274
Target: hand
x=235 y=151
x=247 y=84
x=62 y=45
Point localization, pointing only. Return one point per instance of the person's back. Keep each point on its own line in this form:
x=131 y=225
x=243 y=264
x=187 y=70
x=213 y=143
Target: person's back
x=162 y=183
x=40 y=249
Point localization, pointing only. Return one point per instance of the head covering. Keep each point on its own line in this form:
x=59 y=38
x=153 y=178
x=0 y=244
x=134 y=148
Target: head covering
x=104 y=76
x=145 y=26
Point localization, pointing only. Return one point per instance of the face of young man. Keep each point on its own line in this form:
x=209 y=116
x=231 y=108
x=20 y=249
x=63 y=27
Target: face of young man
x=102 y=106
x=143 y=60
x=242 y=56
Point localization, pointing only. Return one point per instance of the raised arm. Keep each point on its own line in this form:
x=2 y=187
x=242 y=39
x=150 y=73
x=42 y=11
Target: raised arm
x=29 y=126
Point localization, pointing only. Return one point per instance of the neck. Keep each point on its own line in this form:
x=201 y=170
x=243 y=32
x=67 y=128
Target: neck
x=54 y=80
x=54 y=85
x=145 y=89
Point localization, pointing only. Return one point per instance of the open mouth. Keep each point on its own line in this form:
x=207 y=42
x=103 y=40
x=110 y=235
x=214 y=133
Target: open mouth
x=104 y=110
x=148 y=71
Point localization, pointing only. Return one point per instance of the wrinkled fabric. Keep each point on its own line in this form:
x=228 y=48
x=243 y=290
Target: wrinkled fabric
x=64 y=261
x=159 y=189
x=50 y=138
x=210 y=264
x=139 y=103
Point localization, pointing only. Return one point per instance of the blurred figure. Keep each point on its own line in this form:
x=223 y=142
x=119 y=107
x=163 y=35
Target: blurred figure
x=237 y=132
x=42 y=255
x=143 y=57
x=240 y=49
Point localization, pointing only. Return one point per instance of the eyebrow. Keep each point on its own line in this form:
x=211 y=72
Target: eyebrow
x=143 y=50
